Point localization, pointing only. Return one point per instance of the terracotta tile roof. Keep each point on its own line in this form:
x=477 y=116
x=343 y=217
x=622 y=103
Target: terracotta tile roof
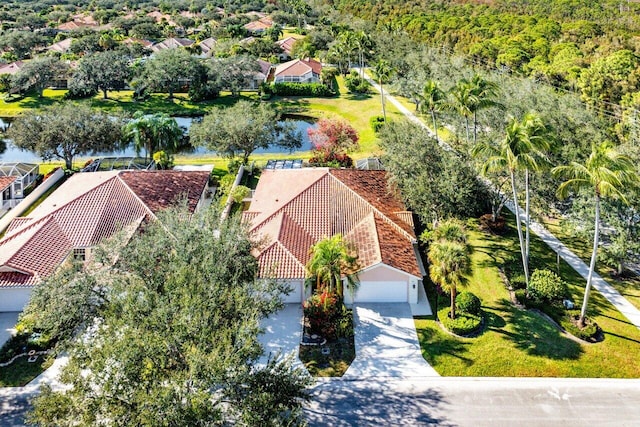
x=17 y=280
x=287 y=44
x=298 y=67
x=259 y=25
x=293 y=209
x=6 y=181
x=12 y=68
x=160 y=189
x=87 y=208
x=132 y=40
x=171 y=43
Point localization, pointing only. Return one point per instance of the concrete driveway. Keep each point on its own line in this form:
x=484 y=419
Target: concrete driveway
x=283 y=332
x=386 y=343
x=7 y=324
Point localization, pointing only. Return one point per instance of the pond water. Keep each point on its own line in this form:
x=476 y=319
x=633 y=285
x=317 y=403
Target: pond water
x=10 y=153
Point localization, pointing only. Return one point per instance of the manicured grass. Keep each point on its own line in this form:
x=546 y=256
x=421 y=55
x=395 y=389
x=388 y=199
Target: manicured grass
x=335 y=364
x=21 y=372
x=521 y=343
x=628 y=285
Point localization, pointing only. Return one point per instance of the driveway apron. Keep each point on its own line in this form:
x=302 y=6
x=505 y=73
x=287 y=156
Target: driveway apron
x=386 y=343
x=282 y=333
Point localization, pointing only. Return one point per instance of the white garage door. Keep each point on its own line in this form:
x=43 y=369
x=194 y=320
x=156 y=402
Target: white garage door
x=296 y=294
x=14 y=299
x=382 y=292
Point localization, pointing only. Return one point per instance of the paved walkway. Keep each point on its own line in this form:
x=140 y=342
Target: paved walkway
x=386 y=344
x=608 y=291
x=282 y=333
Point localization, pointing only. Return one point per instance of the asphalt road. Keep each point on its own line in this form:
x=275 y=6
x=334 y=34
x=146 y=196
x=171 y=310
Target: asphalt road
x=476 y=402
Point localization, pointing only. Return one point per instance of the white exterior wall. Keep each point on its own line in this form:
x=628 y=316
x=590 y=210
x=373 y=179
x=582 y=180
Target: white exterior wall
x=382 y=284
x=14 y=299
x=297 y=294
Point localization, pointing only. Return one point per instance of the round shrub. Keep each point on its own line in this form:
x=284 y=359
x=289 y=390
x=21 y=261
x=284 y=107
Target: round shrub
x=463 y=324
x=545 y=285
x=468 y=302
x=323 y=312
x=239 y=193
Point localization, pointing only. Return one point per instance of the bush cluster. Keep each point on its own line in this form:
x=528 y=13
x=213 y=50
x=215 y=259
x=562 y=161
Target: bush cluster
x=356 y=84
x=463 y=324
x=545 y=285
x=323 y=314
x=333 y=160
x=298 y=89
x=376 y=123
x=467 y=302
x=589 y=333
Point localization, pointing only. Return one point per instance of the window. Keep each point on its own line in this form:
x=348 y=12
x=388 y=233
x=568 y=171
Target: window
x=79 y=254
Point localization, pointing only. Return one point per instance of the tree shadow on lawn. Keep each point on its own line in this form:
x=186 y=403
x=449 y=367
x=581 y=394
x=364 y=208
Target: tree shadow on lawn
x=33 y=102
x=535 y=335
x=292 y=105
x=435 y=343
x=357 y=96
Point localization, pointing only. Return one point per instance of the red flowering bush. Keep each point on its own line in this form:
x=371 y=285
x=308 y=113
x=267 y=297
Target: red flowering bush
x=331 y=140
x=323 y=312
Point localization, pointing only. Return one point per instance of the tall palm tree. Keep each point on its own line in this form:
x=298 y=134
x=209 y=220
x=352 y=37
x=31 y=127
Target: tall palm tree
x=449 y=258
x=433 y=100
x=523 y=148
x=483 y=93
x=331 y=258
x=383 y=71
x=362 y=43
x=462 y=102
x=606 y=172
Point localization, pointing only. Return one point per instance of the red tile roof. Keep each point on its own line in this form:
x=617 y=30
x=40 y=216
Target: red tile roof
x=86 y=209
x=6 y=181
x=298 y=67
x=293 y=209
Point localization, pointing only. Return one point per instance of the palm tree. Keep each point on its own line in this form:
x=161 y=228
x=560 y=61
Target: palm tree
x=523 y=147
x=449 y=258
x=331 y=258
x=482 y=97
x=383 y=71
x=606 y=172
x=151 y=132
x=462 y=101
x=433 y=100
x=362 y=43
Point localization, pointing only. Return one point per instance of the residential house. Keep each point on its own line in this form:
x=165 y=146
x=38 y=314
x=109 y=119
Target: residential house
x=207 y=46
x=63 y=46
x=160 y=17
x=287 y=48
x=78 y=22
x=22 y=176
x=171 y=43
x=259 y=26
x=292 y=209
x=12 y=68
x=261 y=76
x=143 y=42
x=86 y=209
x=298 y=71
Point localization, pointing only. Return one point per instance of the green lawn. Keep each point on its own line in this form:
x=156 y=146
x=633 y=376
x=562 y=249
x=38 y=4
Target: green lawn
x=21 y=372
x=628 y=286
x=521 y=343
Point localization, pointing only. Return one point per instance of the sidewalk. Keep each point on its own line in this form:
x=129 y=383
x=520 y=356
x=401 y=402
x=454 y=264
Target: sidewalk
x=613 y=296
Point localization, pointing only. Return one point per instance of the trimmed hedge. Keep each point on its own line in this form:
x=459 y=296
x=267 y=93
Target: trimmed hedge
x=300 y=89
x=545 y=285
x=463 y=324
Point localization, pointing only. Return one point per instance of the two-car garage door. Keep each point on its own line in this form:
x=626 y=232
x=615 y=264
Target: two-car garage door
x=381 y=292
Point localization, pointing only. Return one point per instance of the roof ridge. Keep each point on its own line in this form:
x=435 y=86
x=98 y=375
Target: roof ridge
x=385 y=217
x=288 y=203
x=135 y=195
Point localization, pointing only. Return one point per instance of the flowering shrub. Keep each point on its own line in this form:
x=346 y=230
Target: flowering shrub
x=323 y=312
x=332 y=160
x=331 y=140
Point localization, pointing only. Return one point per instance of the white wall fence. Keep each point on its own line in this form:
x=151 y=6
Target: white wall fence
x=30 y=199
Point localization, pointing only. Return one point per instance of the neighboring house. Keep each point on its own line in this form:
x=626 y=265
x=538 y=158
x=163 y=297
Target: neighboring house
x=12 y=68
x=86 y=209
x=259 y=26
x=207 y=46
x=292 y=209
x=23 y=175
x=172 y=43
x=143 y=42
x=262 y=75
x=79 y=21
x=62 y=46
x=287 y=48
x=298 y=71
x=160 y=17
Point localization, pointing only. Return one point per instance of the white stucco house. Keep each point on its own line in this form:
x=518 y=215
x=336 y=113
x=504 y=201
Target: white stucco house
x=298 y=71
x=292 y=209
